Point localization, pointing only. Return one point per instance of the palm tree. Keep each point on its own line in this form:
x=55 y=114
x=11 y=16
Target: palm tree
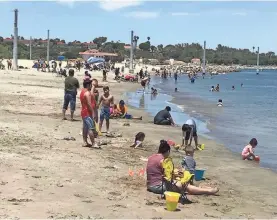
x=148 y=38
x=253 y=49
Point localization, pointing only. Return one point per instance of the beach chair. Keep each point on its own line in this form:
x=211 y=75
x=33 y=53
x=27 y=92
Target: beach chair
x=170 y=183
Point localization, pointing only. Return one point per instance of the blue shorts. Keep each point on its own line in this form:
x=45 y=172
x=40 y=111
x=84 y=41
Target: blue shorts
x=88 y=123
x=69 y=98
x=105 y=113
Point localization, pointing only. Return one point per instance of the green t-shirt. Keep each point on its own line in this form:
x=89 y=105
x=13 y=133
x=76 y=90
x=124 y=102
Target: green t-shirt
x=71 y=84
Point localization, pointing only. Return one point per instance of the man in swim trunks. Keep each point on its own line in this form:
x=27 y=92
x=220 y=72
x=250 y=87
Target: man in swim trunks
x=87 y=114
x=71 y=84
x=95 y=93
x=107 y=100
x=189 y=130
x=163 y=117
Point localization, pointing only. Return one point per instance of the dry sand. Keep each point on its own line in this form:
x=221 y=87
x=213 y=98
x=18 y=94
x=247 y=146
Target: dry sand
x=43 y=176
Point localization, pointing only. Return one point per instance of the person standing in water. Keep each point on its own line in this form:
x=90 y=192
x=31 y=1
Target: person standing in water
x=176 y=76
x=219 y=103
x=107 y=100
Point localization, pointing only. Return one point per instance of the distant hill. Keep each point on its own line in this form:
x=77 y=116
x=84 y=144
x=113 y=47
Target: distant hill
x=183 y=52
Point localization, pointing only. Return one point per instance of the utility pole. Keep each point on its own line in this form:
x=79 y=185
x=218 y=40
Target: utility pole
x=204 y=58
x=258 y=60
x=132 y=51
x=30 y=48
x=48 y=45
x=15 y=39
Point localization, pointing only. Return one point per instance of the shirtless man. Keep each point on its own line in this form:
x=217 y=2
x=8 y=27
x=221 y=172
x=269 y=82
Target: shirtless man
x=9 y=62
x=95 y=93
x=87 y=113
x=107 y=100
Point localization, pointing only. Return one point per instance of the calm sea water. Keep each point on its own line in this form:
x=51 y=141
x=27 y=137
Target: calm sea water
x=249 y=111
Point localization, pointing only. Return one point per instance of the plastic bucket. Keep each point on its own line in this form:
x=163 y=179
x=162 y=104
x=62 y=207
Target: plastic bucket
x=172 y=199
x=257 y=158
x=198 y=174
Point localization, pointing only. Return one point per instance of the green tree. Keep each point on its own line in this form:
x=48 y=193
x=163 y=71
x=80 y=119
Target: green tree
x=1 y=39
x=145 y=46
x=70 y=55
x=160 y=47
x=153 y=48
x=99 y=41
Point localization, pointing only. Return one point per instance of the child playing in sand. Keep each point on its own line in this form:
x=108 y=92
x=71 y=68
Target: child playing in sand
x=114 y=112
x=188 y=163
x=248 y=151
x=106 y=100
x=138 y=140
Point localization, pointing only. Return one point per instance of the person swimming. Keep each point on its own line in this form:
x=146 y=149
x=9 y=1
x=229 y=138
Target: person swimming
x=241 y=85
x=233 y=87
x=176 y=90
x=219 y=103
x=217 y=88
x=212 y=89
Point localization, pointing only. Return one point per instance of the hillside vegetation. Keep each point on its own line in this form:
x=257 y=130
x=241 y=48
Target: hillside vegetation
x=183 y=52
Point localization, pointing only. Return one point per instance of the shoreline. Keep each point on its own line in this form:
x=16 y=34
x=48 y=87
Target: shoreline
x=41 y=172
x=206 y=113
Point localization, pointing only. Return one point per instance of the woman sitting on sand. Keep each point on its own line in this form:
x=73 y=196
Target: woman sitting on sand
x=155 y=173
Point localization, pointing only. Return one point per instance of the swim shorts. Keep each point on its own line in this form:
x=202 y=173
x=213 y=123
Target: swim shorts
x=105 y=113
x=88 y=123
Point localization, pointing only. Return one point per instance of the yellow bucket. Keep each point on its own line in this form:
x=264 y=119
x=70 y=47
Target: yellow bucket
x=172 y=199
x=201 y=147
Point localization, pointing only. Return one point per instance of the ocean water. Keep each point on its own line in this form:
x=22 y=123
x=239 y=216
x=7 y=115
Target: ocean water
x=249 y=111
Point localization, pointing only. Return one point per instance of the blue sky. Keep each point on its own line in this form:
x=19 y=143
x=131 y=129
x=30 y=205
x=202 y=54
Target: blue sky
x=237 y=24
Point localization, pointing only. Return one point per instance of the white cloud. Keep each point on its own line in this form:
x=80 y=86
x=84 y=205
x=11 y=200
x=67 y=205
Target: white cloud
x=184 y=14
x=239 y=13
x=107 y=5
x=69 y=3
x=142 y=14
x=113 y=5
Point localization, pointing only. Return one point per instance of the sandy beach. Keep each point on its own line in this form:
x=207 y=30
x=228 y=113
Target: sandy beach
x=44 y=176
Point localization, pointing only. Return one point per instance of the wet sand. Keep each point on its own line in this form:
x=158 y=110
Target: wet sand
x=44 y=176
